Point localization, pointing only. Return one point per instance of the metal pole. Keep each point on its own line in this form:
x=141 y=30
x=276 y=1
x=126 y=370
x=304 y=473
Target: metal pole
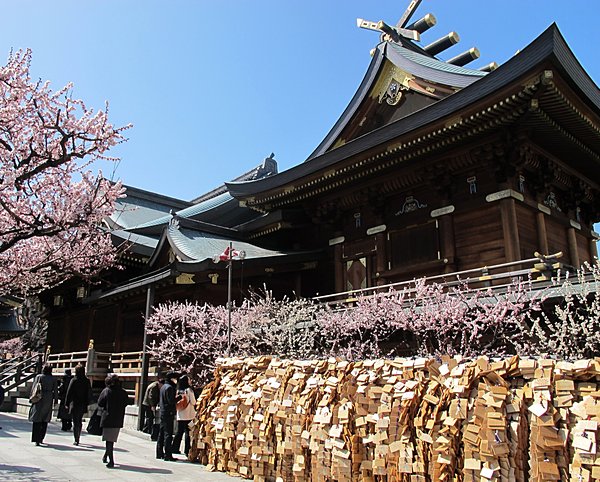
x=229 y=273
x=145 y=358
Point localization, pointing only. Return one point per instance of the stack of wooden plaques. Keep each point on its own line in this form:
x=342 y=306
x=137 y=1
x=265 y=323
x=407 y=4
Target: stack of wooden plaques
x=408 y=420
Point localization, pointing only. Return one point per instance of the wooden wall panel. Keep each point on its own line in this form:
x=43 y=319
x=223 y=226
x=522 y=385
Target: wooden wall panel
x=479 y=238
x=79 y=328
x=104 y=328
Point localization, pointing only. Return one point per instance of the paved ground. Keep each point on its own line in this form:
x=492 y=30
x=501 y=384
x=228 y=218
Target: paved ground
x=59 y=460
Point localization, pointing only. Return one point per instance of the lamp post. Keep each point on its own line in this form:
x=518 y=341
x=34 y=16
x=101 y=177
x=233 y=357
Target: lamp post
x=228 y=255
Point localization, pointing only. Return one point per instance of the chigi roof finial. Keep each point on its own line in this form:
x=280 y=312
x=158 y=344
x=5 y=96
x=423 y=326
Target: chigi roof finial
x=400 y=30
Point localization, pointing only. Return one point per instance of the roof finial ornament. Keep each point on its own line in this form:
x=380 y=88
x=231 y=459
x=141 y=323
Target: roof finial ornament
x=394 y=34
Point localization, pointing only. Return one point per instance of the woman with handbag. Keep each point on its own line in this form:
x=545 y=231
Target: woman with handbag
x=186 y=411
x=77 y=399
x=43 y=395
x=112 y=401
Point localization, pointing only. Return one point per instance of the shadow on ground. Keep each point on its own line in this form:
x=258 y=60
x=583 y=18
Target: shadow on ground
x=23 y=473
x=141 y=470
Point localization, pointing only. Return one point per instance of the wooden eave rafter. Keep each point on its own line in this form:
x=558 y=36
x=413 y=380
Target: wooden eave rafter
x=555 y=127
x=452 y=130
x=557 y=103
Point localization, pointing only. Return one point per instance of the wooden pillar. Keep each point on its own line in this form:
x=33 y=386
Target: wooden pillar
x=67 y=332
x=541 y=233
x=119 y=328
x=447 y=242
x=143 y=383
x=510 y=230
x=573 y=249
x=339 y=268
x=91 y=322
x=298 y=283
x=381 y=257
x=593 y=249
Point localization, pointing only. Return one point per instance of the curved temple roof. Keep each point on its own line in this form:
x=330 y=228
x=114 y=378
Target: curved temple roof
x=550 y=46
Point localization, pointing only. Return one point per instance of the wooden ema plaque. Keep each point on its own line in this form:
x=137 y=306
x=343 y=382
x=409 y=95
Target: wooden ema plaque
x=405 y=420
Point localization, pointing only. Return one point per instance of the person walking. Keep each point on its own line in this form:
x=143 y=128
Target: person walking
x=167 y=404
x=112 y=401
x=63 y=411
x=186 y=411
x=150 y=407
x=77 y=399
x=43 y=395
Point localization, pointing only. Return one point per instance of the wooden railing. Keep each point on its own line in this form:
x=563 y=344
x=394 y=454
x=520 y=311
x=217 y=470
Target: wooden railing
x=61 y=361
x=499 y=277
x=127 y=365
x=19 y=371
x=98 y=364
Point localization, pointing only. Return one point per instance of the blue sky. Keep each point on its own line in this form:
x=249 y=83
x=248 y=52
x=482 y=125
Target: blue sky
x=213 y=87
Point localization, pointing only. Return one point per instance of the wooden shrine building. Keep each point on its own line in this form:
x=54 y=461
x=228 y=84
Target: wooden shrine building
x=432 y=168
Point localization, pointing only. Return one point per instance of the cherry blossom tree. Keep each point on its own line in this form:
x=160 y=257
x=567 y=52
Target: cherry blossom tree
x=51 y=203
x=12 y=348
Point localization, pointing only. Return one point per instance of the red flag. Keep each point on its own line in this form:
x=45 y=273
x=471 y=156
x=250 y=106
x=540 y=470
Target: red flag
x=226 y=255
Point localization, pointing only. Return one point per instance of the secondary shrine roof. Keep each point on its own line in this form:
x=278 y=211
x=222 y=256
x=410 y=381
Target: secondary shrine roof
x=192 y=245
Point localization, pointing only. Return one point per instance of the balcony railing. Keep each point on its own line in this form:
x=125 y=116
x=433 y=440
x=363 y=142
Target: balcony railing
x=499 y=277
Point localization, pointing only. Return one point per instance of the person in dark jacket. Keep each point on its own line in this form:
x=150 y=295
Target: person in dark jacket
x=168 y=410
x=63 y=411
x=40 y=412
x=113 y=401
x=77 y=399
x=150 y=407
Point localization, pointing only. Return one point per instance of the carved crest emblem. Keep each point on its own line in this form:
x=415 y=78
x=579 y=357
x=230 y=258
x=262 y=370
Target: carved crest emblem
x=410 y=205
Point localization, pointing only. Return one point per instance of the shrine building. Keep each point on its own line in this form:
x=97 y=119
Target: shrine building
x=434 y=168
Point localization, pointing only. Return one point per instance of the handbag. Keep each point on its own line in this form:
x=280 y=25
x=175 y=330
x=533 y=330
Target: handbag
x=93 y=426
x=36 y=392
x=183 y=402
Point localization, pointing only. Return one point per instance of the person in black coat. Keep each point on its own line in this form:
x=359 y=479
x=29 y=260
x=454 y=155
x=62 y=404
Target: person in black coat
x=113 y=401
x=168 y=410
x=77 y=399
x=63 y=411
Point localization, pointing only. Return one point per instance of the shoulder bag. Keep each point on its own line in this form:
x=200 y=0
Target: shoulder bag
x=36 y=392
x=93 y=427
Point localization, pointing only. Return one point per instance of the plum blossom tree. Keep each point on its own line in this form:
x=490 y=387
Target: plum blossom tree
x=187 y=337
x=51 y=203
x=570 y=329
x=422 y=319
